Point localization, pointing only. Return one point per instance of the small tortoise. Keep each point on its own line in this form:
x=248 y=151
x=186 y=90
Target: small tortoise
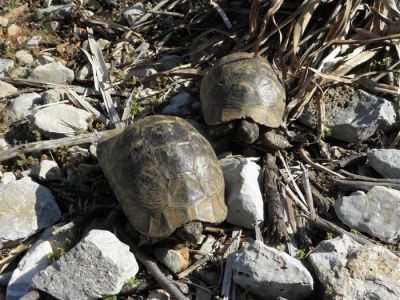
x=164 y=174
x=243 y=87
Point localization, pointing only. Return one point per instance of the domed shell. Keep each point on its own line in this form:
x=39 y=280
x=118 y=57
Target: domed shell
x=241 y=86
x=164 y=174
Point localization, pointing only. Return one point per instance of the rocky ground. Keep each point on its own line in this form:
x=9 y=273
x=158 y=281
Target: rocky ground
x=318 y=218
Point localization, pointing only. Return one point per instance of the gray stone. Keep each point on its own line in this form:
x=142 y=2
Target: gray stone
x=23 y=57
x=140 y=73
x=61 y=120
x=6 y=65
x=57 y=12
x=179 y=105
x=34 y=41
x=47 y=170
x=51 y=96
x=22 y=106
x=158 y=295
x=36 y=259
x=51 y=26
x=242 y=192
x=53 y=72
x=385 y=161
x=349 y=270
x=133 y=13
x=46 y=59
x=3 y=21
x=269 y=273
x=359 y=118
x=37 y=204
x=97 y=266
x=8 y=177
x=175 y=260
x=7 y=89
x=20 y=72
x=103 y=43
x=376 y=213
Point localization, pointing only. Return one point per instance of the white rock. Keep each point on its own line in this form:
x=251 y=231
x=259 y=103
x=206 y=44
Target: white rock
x=175 y=260
x=3 y=21
x=208 y=246
x=97 y=266
x=133 y=13
x=13 y=30
x=385 y=161
x=84 y=72
x=8 y=177
x=179 y=105
x=7 y=89
x=4 y=144
x=22 y=106
x=34 y=42
x=47 y=170
x=242 y=192
x=46 y=59
x=269 y=273
x=53 y=72
x=36 y=259
x=37 y=204
x=60 y=120
x=32 y=263
x=6 y=65
x=376 y=213
x=24 y=57
x=51 y=96
x=349 y=270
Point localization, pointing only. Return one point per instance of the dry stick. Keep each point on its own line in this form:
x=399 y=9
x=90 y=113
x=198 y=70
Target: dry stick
x=308 y=193
x=227 y=288
x=371 y=179
x=354 y=185
x=317 y=165
x=153 y=268
x=88 y=138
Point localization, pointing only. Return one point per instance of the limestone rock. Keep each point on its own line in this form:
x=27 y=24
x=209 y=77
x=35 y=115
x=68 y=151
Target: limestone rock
x=376 y=213
x=22 y=106
x=54 y=72
x=349 y=270
x=47 y=170
x=269 y=273
x=24 y=57
x=175 y=260
x=97 y=266
x=37 y=204
x=385 y=161
x=7 y=89
x=242 y=192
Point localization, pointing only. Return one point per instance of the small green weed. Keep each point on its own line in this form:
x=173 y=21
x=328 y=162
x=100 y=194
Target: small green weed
x=132 y=283
x=329 y=235
x=301 y=254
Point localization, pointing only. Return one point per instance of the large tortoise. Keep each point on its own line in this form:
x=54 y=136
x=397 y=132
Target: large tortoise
x=164 y=174
x=243 y=87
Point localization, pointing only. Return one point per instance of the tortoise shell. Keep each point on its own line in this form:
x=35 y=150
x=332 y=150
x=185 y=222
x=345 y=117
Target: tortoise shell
x=164 y=174
x=241 y=86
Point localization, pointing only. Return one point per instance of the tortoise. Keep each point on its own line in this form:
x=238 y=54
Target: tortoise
x=243 y=87
x=164 y=174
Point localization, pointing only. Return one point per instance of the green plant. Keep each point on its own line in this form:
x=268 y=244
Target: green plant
x=36 y=134
x=110 y=298
x=9 y=53
x=149 y=6
x=56 y=254
x=329 y=235
x=10 y=5
x=383 y=63
x=61 y=154
x=301 y=254
x=132 y=283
